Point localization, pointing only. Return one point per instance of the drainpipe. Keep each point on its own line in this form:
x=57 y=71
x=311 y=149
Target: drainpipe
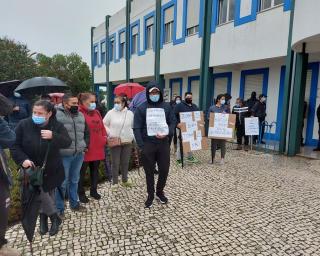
x=92 y=56
x=206 y=73
x=157 y=76
x=287 y=86
x=128 y=39
x=108 y=83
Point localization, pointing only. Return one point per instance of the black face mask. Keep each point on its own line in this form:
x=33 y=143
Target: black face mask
x=74 y=109
x=188 y=101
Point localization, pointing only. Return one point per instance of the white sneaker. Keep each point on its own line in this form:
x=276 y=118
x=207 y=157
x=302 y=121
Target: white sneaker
x=222 y=161
x=115 y=187
x=7 y=251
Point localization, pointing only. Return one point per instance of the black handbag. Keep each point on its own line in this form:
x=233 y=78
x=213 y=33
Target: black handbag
x=34 y=176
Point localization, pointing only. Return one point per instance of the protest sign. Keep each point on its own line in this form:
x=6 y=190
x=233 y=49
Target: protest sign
x=192 y=131
x=156 y=122
x=221 y=126
x=251 y=126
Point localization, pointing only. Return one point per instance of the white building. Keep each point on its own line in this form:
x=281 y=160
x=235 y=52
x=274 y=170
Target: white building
x=248 y=51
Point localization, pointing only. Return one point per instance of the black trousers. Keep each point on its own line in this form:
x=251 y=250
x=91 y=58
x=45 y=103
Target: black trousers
x=94 y=176
x=174 y=138
x=4 y=211
x=240 y=134
x=153 y=154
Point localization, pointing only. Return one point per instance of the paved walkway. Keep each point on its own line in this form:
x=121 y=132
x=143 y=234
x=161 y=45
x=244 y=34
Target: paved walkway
x=253 y=205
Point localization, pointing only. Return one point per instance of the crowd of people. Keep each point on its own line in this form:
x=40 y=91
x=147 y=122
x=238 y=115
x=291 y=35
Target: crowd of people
x=74 y=136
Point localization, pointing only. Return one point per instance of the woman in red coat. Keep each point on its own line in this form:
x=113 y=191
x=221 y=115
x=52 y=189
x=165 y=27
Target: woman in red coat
x=95 y=153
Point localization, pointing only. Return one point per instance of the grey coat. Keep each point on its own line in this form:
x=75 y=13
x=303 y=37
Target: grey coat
x=77 y=130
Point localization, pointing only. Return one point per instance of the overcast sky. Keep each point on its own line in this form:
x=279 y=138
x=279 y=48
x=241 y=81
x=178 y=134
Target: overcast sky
x=55 y=26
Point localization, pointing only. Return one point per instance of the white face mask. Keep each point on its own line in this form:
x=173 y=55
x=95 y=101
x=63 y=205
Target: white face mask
x=223 y=102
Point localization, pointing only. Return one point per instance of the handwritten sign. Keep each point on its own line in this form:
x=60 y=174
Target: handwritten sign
x=251 y=126
x=156 y=122
x=221 y=126
x=192 y=131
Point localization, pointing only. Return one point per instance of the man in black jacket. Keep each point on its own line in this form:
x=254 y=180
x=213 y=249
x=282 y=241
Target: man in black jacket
x=152 y=137
x=318 y=116
x=259 y=110
x=7 y=139
x=241 y=111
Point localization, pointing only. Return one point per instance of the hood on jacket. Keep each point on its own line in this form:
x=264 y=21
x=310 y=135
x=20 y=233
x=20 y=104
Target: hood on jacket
x=149 y=86
x=253 y=96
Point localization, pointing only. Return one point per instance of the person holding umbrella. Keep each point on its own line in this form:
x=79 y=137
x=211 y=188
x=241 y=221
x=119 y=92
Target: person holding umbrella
x=7 y=139
x=38 y=143
x=96 y=150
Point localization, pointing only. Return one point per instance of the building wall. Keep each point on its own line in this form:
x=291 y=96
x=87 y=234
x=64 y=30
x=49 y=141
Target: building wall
x=306 y=25
x=265 y=38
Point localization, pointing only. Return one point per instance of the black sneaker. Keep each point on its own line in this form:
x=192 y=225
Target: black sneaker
x=83 y=199
x=79 y=208
x=162 y=198
x=95 y=195
x=316 y=149
x=149 y=202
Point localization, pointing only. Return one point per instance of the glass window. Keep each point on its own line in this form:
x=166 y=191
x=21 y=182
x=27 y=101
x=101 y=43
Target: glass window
x=112 y=50
x=226 y=11
x=103 y=52
x=168 y=35
x=134 y=46
x=149 y=36
x=122 y=50
x=266 y=4
x=192 y=31
x=95 y=56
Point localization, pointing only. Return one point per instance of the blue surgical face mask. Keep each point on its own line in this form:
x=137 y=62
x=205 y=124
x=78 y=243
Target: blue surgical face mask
x=155 y=98
x=92 y=106
x=117 y=107
x=38 y=119
x=223 y=102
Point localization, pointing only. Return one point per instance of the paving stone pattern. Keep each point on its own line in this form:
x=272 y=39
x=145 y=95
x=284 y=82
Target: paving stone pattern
x=255 y=204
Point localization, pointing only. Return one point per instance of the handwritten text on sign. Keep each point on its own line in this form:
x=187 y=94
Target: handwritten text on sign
x=251 y=126
x=156 y=122
x=220 y=128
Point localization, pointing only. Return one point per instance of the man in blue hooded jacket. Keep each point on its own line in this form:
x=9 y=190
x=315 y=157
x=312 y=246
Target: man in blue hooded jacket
x=155 y=149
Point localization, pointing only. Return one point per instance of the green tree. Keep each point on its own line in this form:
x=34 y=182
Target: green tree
x=16 y=61
x=69 y=68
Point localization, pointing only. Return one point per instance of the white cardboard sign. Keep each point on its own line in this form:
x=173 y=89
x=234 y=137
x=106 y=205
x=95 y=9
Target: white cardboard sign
x=251 y=126
x=156 y=122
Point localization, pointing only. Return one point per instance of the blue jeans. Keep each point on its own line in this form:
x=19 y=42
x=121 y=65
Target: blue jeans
x=72 y=166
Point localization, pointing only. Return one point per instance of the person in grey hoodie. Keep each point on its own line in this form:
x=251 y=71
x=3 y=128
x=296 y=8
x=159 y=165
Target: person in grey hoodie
x=72 y=157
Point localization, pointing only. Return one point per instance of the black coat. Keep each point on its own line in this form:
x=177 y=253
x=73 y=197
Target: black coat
x=259 y=110
x=318 y=114
x=30 y=146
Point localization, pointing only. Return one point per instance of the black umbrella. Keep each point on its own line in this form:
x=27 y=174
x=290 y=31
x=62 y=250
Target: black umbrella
x=41 y=86
x=30 y=201
x=7 y=87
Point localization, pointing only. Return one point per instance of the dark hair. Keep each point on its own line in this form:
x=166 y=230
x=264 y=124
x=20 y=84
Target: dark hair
x=48 y=107
x=177 y=98
x=187 y=93
x=68 y=96
x=45 y=97
x=219 y=97
x=85 y=96
x=5 y=106
x=123 y=100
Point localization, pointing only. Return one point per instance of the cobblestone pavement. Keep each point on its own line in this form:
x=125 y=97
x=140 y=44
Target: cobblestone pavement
x=256 y=204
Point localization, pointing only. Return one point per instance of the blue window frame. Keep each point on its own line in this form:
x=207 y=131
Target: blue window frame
x=112 y=47
x=122 y=43
x=174 y=81
x=149 y=32
x=227 y=75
